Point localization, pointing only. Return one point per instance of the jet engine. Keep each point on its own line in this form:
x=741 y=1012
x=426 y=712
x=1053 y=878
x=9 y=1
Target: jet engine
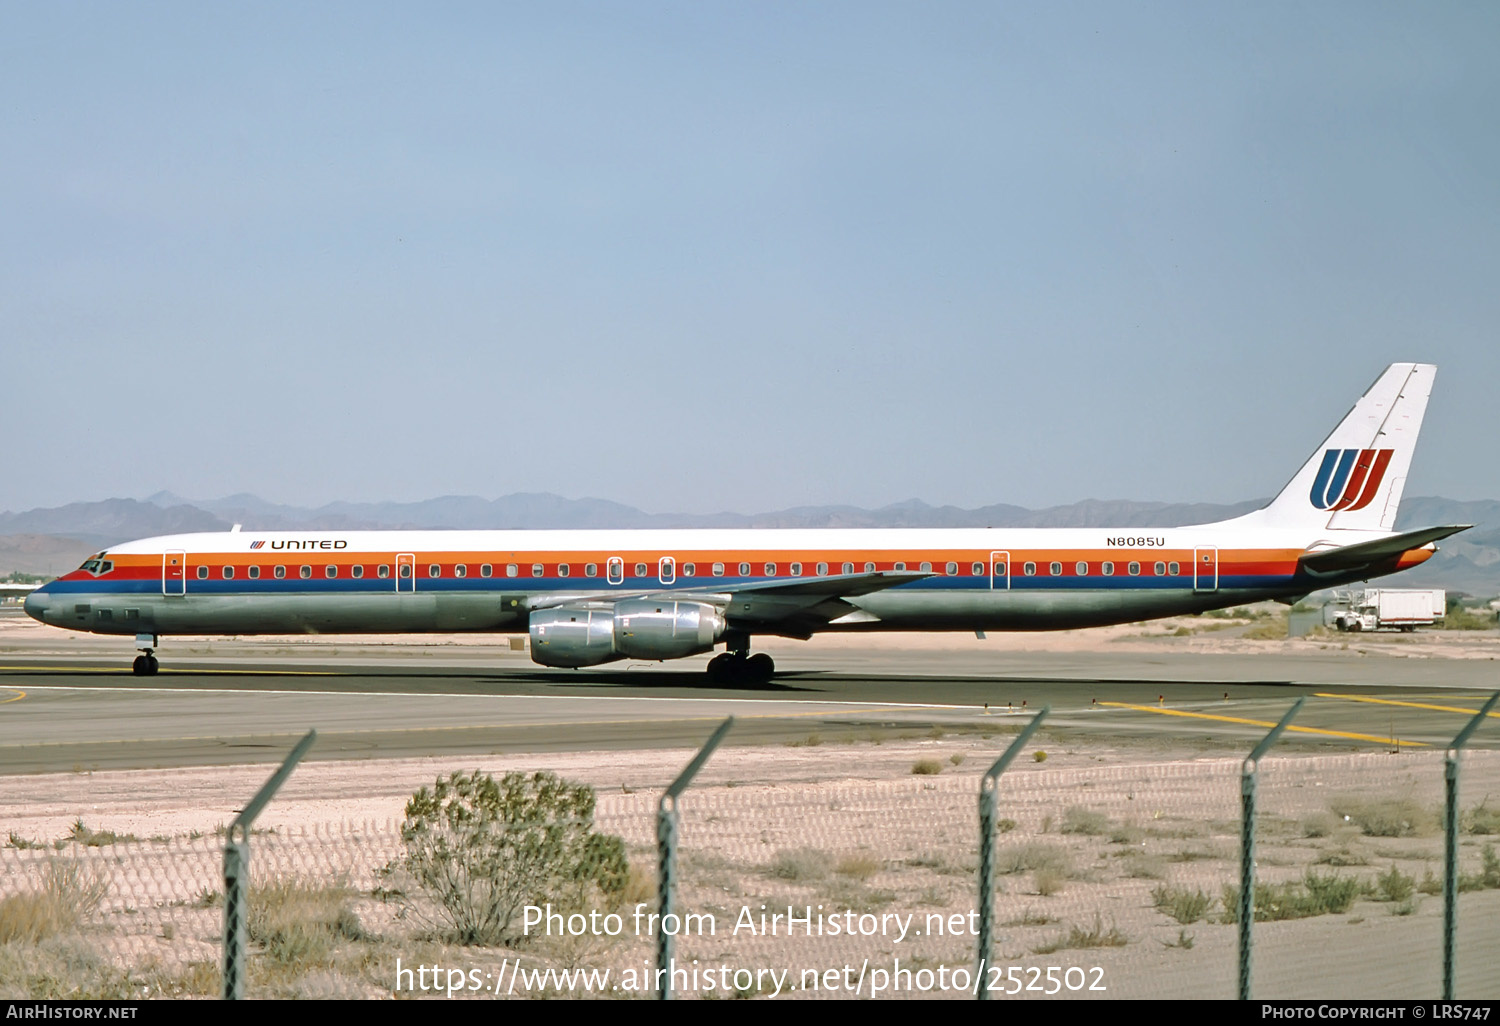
x=638 y=628
x=573 y=637
x=664 y=629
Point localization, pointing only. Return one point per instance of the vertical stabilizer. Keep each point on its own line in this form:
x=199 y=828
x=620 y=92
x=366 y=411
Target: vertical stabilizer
x=1355 y=479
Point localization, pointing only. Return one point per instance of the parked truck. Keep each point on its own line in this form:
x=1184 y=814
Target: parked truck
x=1403 y=609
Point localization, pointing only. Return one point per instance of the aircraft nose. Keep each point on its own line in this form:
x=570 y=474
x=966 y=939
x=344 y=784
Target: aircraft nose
x=37 y=604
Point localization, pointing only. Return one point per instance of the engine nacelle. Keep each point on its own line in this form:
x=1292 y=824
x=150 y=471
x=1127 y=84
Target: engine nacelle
x=572 y=637
x=664 y=629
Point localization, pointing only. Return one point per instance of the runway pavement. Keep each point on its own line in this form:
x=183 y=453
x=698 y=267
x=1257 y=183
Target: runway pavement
x=248 y=702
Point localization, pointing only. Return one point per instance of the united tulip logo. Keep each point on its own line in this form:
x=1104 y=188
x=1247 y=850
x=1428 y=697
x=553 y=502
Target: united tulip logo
x=1349 y=478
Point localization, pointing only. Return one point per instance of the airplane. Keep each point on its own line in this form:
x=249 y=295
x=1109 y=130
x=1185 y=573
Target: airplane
x=590 y=597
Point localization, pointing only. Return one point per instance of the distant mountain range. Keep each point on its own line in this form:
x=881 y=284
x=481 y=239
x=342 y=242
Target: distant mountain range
x=54 y=540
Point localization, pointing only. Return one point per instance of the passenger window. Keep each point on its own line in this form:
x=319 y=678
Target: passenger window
x=926 y=568
x=1159 y=569
x=869 y=568
x=486 y=570
x=1173 y=569
x=357 y=571
x=1029 y=569
x=537 y=569
x=796 y=569
x=1107 y=569
x=254 y=572
x=770 y=569
x=404 y=570
x=744 y=569
x=899 y=566
x=718 y=569
x=1000 y=569
x=640 y=569
x=591 y=570
x=279 y=572
x=563 y=570
x=822 y=569
x=461 y=570
x=977 y=570
x=1133 y=569
x=228 y=573
x=511 y=570
x=688 y=570
x=203 y=573
x=951 y=568
x=330 y=571
x=848 y=568
x=434 y=570
x=1081 y=569
x=382 y=571
x=1055 y=569
x=304 y=572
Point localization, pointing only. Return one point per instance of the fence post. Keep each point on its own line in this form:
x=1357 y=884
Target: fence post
x=237 y=871
x=1450 y=844
x=988 y=814
x=1249 y=772
x=666 y=846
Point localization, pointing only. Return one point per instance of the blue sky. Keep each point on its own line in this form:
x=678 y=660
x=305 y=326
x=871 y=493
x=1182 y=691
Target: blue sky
x=707 y=256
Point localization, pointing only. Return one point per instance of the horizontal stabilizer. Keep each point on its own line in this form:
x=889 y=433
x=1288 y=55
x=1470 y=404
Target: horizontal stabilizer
x=1352 y=557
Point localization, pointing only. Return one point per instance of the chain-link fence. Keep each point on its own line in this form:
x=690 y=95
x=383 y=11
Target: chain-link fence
x=1111 y=881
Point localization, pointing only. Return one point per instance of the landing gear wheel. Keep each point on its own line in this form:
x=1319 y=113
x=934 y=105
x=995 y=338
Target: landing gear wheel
x=139 y=666
x=151 y=665
x=759 y=669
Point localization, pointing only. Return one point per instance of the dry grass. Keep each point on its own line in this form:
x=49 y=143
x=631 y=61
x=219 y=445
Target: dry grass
x=927 y=768
x=69 y=895
x=858 y=867
x=1078 y=937
x=300 y=922
x=1385 y=817
x=801 y=865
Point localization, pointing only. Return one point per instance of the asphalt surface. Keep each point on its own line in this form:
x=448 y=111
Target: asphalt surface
x=249 y=703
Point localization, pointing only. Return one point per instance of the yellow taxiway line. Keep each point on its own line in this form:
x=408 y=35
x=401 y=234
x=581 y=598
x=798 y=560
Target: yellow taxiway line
x=13 y=698
x=1407 y=705
x=1263 y=723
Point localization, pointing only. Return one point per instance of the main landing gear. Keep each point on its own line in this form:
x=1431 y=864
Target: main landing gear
x=738 y=666
x=145 y=664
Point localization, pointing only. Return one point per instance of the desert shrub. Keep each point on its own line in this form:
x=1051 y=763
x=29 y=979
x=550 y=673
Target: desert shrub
x=1080 y=820
x=927 y=768
x=70 y=893
x=800 y=865
x=1099 y=936
x=1481 y=819
x=1048 y=880
x=1394 y=885
x=1313 y=895
x=1031 y=857
x=1181 y=904
x=485 y=849
x=860 y=867
x=1039 y=756
x=299 y=921
x=1384 y=817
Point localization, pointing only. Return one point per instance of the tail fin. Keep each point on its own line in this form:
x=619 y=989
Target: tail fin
x=1355 y=479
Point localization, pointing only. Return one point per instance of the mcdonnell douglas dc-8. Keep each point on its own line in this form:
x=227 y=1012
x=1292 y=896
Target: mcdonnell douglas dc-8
x=590 y=597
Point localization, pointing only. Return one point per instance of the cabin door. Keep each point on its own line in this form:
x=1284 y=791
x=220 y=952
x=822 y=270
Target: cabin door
x=174 y=572
x=999 y=571
x=1206 y=568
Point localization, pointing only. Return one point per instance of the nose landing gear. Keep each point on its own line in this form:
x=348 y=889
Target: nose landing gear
x=145 y=664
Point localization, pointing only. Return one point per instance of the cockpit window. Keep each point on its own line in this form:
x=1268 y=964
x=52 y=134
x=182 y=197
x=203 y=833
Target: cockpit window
x=97 y=564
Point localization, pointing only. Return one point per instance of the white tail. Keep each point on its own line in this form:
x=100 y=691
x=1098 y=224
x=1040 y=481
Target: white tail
x=1355 y=479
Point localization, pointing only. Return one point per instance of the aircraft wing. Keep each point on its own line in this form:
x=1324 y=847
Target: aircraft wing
x=1352 y=557
x=791 y=606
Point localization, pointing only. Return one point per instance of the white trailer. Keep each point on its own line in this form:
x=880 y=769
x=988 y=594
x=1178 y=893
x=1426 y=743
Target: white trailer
x=1403 y=609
